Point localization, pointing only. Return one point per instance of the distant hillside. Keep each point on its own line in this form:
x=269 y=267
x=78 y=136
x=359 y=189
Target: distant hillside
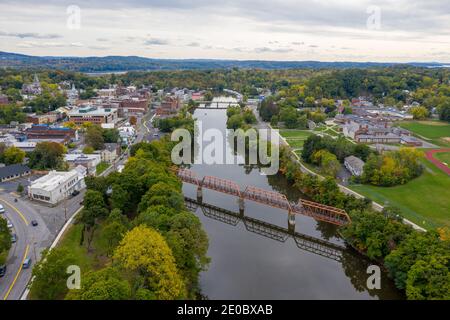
x=133 y=63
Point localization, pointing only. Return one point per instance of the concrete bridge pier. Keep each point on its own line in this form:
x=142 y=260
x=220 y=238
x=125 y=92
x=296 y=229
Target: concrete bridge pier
x=291 y=222
x=241 y=203
x=199 y=194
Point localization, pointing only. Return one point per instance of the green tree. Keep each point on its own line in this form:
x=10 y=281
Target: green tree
x=5 y=240
x=104 y=284
x=50 y=274
x=94 y=137
x=429 y=279
x=47 y=155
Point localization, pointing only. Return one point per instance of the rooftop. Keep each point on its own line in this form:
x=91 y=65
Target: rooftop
x=53 y=179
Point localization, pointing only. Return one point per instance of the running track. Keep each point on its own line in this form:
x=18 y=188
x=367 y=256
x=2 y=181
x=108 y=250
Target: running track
x=430 y=156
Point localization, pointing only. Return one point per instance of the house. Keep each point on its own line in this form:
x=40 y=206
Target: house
x=89 y=161
x=56 y=186
x=410 y=141
x=355 y=165
x=3 y=99
x=110 y=153
x=48 y=118
x=13 y=171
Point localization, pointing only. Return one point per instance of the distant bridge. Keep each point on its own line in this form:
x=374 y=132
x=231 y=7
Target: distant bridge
x=216 y=105
x=268 y=230
x=304 y=207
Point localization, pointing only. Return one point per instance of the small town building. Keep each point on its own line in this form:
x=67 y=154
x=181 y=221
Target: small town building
x=355 y=165
x=89 y=161
x=110 y=153
x=56 y=185
x=93 y=114
x=13 y=171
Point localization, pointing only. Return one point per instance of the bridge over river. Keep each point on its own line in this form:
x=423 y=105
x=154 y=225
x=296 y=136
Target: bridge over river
x=304 y=207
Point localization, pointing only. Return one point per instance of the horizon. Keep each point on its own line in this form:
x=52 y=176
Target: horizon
x=442 y=63
x=381 y=31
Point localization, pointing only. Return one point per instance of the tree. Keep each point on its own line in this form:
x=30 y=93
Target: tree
x=50 y=274
x=13 y=155
x=94 y=137
x=429 y=278
x=145 y=252
x=111 y=135
x=327 y=161
x=444 y=110
x=5 y=240
x=133 y=120
x=47 y=155
x=88 y=150
x=20 y=188
x=105 y=284
x=419 y=112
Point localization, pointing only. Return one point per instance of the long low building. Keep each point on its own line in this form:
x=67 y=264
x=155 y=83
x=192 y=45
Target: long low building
x=57 y=185
x=13 y=171
x=94 y=115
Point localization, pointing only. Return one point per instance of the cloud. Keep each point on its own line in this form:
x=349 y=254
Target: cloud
x=276 y=50
x=24 y=35
x=156 y=42
x=193 y=44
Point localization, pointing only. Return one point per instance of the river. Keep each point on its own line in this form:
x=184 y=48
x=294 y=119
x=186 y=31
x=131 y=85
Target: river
x=248 y=265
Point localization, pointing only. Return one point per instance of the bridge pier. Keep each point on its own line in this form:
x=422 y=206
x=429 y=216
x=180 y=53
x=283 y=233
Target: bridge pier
x=199 y=194
x=291 y=222
x=241 y=203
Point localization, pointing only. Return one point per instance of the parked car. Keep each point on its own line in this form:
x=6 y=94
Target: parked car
x=34 y=223
x=2 y=270
x=13 y=238
x=2 y=210
x=9 y=224
x=75 y=193
x=26 y=263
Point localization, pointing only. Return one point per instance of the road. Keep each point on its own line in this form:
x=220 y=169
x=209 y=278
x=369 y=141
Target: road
x=30 y=243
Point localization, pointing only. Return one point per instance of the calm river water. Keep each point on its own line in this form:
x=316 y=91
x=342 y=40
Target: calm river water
x=247 y=265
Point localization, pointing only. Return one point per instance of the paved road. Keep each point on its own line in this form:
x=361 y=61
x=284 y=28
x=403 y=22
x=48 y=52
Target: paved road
x=30 y=243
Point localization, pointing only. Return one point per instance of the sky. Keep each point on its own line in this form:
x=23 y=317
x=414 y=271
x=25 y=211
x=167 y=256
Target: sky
x=323 y=30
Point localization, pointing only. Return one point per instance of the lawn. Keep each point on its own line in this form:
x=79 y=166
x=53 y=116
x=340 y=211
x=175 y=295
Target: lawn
x=295 y=138
x=436 y=132
x=424 y=200
x=443 y=157
x=295 y=133
x=102 y=166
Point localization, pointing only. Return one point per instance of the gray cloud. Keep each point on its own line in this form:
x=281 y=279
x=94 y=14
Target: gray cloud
x=156 y=42
x=193 y=44
x=33 y=35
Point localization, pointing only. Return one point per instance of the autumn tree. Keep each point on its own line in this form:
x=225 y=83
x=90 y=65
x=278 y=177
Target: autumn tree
x=5 y=241
x=145 y=252
x=13 y=155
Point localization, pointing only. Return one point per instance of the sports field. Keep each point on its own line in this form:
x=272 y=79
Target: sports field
x=436 y=132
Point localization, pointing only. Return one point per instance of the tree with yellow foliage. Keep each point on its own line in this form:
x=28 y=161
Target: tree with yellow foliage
x=144 y=251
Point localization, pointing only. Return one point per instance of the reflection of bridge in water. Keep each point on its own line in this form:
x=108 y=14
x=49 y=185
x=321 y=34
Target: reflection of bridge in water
x=304 y=207
x=268 y=230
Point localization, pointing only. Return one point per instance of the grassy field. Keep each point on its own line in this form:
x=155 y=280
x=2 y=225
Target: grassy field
x=424 y=200
x=443 y=157
x=295 y=138
x=436 y=132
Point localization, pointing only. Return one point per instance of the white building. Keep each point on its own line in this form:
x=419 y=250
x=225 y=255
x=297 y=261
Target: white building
x=89 y=161
x=57 y=185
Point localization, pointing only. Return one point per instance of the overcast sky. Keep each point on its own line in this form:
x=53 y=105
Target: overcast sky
x=325 y=30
